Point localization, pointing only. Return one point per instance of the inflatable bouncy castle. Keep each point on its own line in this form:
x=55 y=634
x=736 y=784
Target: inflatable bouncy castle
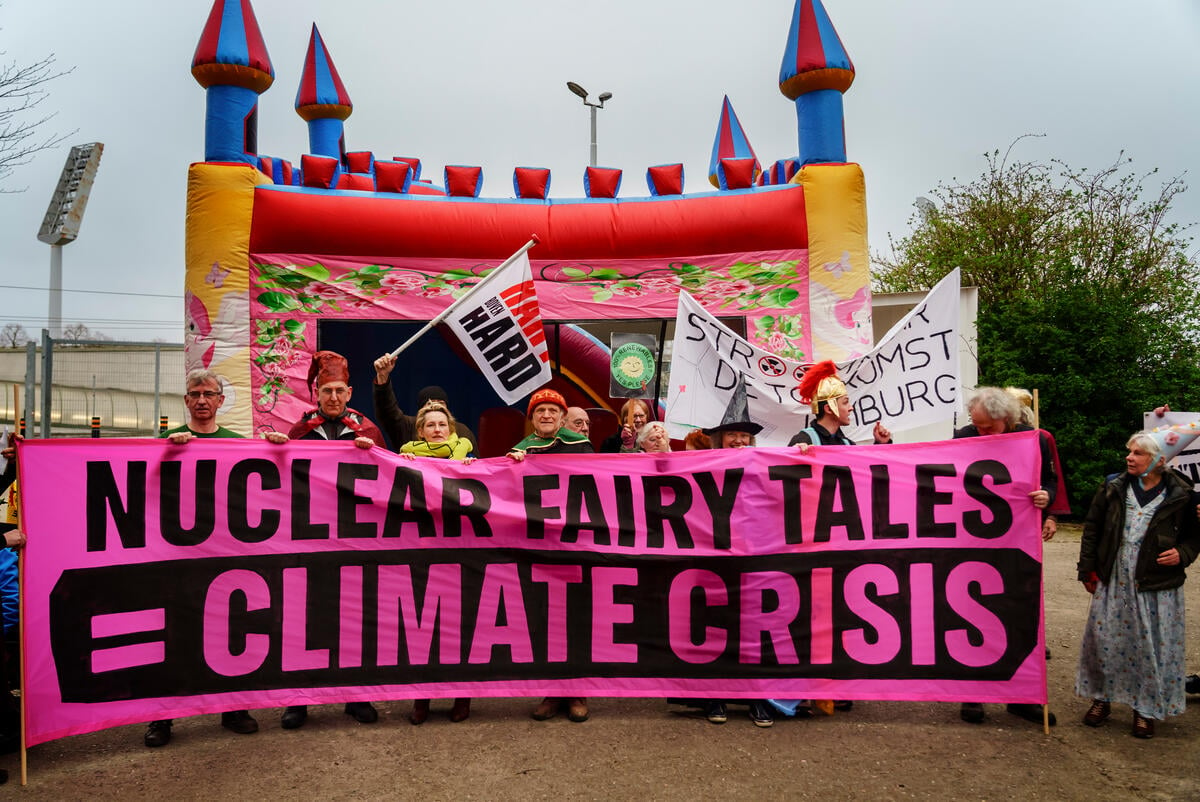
x=353 y=250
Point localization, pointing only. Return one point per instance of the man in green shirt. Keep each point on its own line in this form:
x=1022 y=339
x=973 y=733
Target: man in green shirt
x=203 y=399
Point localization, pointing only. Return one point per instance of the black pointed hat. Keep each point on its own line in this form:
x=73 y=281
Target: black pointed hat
x=737 y=414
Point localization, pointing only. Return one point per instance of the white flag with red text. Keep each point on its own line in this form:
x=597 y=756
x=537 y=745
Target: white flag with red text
x=500 y=324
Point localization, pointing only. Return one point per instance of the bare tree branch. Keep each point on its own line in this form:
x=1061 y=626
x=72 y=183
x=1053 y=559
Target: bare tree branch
x=23 y=133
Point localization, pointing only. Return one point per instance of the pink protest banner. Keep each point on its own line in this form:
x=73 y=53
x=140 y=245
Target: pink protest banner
x=167 y=580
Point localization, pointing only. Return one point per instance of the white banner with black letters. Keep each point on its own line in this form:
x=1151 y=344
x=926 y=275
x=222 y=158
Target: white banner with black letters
x=910 y=379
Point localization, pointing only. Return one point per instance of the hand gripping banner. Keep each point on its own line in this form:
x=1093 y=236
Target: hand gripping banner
x=166 y=580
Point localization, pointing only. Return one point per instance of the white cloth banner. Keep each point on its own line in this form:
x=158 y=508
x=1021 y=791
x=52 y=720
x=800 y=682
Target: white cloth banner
x=1188 y=460
x=501 y=326
x=908 y=380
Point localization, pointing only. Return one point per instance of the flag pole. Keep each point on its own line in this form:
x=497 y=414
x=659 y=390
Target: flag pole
x=21 y=619
x=533 y=240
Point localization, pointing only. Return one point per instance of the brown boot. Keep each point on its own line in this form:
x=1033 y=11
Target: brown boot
x=461 y=710
x=577 y=710
x=547 y=708
x=420 y=711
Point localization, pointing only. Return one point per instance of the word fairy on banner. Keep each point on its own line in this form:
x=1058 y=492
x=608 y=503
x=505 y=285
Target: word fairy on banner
x=166 y=580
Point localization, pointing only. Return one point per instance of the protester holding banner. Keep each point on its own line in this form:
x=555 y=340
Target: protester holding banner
x=1060 y=505
x=825 y=392
x=401 y=428
x=203 y=399
x=633 y=416
x=654 y=438
x=14 y=539
x=434 y=427
x=1138 y=537
x=333 y=419
x=736 y=430
x=994 y=411
x=547 y=409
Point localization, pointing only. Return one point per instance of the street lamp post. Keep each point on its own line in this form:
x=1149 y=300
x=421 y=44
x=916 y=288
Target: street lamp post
x=582 y=93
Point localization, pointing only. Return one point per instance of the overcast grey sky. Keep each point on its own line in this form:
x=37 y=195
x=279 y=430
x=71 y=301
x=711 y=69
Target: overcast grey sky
x=939 y=82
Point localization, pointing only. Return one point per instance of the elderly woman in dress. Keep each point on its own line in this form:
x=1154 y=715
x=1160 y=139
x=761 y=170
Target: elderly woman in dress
x=1139 y=535
x=436 y=438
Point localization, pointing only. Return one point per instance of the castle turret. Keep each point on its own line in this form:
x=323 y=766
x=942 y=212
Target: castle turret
x=816 y=71
x=232 y=64
x=729 y=143
x=322 y=101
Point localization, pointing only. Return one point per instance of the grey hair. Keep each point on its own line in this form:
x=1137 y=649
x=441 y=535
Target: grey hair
x=996 y=404
x=202 y=375
x=1148 y=443
x=1024 y=400
x=647 y=429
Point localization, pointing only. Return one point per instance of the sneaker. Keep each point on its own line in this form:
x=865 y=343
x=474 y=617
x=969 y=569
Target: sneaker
x=1193 y=684
x=716 y=713
x=971 y=712
x=760 y=714
x=158 y=733
x=239 y=721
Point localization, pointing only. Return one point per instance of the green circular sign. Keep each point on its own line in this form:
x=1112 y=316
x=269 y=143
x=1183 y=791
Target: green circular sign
x=633 y=365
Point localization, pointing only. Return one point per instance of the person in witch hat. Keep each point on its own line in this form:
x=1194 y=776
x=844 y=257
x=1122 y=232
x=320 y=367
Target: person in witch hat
x=735 y=430
x=1138 y=537
x=824 y=390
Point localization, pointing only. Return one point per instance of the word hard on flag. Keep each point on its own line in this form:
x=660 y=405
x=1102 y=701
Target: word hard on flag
x=501 y=327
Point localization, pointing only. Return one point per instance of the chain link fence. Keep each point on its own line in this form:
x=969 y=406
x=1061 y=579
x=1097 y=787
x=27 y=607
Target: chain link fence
x=69 y=388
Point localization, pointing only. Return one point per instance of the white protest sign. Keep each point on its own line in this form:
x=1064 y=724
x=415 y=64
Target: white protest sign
x=1188 y=460
x=908 y=380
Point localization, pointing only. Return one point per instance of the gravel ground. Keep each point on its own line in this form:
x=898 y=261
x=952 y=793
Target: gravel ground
x=639 y=749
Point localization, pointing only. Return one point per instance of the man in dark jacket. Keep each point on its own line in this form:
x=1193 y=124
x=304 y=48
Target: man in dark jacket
x=993 y=411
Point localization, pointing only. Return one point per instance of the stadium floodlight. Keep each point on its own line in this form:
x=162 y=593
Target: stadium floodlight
x=64 y=216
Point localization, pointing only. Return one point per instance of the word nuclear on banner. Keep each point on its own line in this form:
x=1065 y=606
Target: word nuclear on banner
x=164 y=580
x=910 y=379
x=502 y=330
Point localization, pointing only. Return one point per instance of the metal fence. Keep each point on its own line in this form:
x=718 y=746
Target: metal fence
x=60 y=387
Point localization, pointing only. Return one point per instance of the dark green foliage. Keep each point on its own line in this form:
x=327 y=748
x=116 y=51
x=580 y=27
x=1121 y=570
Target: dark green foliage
x=1086 y=292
